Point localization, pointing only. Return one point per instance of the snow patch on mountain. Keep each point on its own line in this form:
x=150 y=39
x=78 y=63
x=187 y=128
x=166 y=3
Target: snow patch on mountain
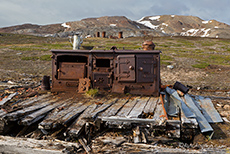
x=155 y=18
x=65 y=25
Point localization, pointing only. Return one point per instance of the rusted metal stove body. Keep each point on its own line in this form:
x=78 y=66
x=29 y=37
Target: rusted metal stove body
x=120 y=71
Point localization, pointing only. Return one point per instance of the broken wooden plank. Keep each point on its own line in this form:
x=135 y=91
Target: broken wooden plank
x=101 y=108
x=173 y=128
x=34 y=117
x=5 y=100
x=159 y=114
x=124 y=112
x=71 y=115
x=14 y=116
x=86 y=147
x=78 y=125
x=150 y=106
x=118 y=119
x=32 y=100
x=53 y=117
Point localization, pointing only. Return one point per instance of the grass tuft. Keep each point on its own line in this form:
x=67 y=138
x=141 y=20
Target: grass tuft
x=92 y=92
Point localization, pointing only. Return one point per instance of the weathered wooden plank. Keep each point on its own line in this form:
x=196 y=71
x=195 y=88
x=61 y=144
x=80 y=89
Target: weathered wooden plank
x=138 y=108
x=127 y=108
x=111 y=111
x=71 y=115
x=151 y=106
x=14 y=116
x=52 y=117
x=75 y=129
x=5 y=100
x=34 y=117
x=33 y=100
x=101 y=108
x=124 y=112
x=2 y=113
x=86 y=147
x=159 y=113
x=125 y=119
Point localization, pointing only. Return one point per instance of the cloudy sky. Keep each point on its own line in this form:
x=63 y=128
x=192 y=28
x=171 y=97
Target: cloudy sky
x=14 y=12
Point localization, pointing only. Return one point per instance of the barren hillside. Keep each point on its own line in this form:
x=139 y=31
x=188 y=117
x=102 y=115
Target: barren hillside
x=164 y=25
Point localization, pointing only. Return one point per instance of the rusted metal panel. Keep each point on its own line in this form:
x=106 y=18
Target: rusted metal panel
x=70 y=71
x=208 y=109
x=203 y=123
x=145 y=68
x=126 y=68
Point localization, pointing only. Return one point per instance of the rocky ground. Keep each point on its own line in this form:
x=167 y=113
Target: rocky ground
x=22 y=65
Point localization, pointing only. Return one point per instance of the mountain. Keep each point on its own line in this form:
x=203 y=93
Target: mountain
x=176 y=25
x=164 y=25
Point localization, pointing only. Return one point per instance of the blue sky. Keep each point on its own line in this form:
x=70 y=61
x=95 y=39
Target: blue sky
x=42 y=12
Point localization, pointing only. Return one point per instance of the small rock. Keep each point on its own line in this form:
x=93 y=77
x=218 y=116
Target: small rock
x=170 y=66
x=225 y=113
x=226 y=120
x=226 y=107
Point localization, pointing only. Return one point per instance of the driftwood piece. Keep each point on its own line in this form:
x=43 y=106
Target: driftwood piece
x=5 y=100
x=151 y=106
x=34 y=117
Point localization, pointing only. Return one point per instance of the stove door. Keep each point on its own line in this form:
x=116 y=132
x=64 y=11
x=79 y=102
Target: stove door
x=126 y=68
x=71 y=71
x=101 y=80
x=145 y=68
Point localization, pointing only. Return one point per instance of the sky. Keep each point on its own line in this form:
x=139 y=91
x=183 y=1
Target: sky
x=43 y=12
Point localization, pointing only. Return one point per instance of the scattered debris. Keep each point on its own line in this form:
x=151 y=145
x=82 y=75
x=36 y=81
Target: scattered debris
x=46 y=115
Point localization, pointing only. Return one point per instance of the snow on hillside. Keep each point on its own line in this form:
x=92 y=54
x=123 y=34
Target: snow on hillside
x=65 y=25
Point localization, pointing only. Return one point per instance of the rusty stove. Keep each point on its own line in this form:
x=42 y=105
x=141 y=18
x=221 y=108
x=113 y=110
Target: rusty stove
x=120 y=71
